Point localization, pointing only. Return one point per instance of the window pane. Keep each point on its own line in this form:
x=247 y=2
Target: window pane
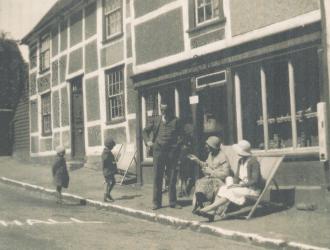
x=201 y=15
x=208 y=12
x=307 y=93
x=216 y=8
x=253 y=127
x=278 y=105
x=200 y=3
x=115 y=94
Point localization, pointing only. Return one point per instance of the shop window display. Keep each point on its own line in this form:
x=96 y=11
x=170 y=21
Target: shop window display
x=278 y=105
x=307 y=95
x=251 y=106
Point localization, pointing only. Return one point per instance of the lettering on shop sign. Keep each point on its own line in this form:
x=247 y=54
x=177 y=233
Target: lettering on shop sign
x=31 y=222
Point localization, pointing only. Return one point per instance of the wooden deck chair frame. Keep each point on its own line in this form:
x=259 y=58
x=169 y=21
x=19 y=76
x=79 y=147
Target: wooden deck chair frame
x=130 y=164
x=270 y=179
x=121 y=157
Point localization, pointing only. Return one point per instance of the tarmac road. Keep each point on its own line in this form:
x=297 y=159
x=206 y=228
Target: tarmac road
x=30 y=220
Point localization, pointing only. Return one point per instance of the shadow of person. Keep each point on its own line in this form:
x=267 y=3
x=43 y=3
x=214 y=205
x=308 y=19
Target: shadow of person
x=128 y=197
x=185 y=203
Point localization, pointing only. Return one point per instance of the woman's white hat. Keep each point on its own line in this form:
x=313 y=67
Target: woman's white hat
x=242 y=148
x=60 y=149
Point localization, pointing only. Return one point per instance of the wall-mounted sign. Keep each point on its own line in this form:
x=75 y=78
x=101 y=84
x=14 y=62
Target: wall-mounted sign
x=193 y=99
x=217 y=78
x=149 y=113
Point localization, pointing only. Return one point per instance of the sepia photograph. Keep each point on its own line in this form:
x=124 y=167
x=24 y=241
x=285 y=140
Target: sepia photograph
x=164 y=124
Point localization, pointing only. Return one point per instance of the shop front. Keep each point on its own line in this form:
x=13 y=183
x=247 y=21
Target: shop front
x=266 y=92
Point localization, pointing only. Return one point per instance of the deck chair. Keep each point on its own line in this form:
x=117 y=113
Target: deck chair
x=126 y=159
x=117 y=151
x=268 y=168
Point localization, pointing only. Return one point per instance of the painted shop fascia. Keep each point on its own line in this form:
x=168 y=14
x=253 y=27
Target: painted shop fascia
x=235 y=76
x=80 y=85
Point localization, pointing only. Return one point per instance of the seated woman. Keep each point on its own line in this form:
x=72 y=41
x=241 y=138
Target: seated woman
x=246 y=182
x=215 y=170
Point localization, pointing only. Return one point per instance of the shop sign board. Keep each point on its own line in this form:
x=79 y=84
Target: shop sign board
x=193 y=99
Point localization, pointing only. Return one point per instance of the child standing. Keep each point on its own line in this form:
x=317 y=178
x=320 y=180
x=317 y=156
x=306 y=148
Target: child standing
x=60 y=173
x=109 y=167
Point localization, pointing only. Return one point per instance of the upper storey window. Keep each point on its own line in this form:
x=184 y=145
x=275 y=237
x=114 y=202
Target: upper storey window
x=206 y=10
x=44 y=53
x=113 y=15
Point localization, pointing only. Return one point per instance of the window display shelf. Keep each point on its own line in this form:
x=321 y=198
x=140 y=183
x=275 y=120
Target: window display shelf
x=300 y=116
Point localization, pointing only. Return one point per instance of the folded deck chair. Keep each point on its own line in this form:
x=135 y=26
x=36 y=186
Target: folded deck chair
x=126 y=159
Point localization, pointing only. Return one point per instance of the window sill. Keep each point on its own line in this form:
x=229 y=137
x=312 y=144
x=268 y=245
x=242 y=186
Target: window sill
x=289 y=152
x=206 y=25
x=112 y=38
x=116 y=121
x=41 y=72
x=49 y=134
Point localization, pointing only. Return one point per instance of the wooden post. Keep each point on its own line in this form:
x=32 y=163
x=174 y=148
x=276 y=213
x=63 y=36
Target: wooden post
x=325 y=21
x=139 y=143
x=238 y=107
x=293 y=104
x=264 y=106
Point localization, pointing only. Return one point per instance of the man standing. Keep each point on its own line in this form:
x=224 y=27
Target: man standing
x=163 y=136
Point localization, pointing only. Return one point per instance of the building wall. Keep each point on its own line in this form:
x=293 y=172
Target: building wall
x=174 y=36
x=78 y=48
x=252 y=15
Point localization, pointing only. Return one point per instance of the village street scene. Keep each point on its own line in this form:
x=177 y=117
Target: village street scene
x=164 y=124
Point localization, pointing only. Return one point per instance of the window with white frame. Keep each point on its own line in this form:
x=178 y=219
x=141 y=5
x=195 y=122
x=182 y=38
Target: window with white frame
x=206 y=10
x=46 y=115
x=278 y=102
x=44 y=53
x=112 y=18
x=115 y=94
x=33 y=56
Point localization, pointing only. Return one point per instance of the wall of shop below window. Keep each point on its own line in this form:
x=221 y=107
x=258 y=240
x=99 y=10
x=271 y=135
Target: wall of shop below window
x=75 y=28
x=112 y=54
x=92 y=99
x=91 y=57
x=75 y=60
x=90 y=20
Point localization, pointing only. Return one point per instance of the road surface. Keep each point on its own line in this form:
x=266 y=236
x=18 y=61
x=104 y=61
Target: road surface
x=30 y=220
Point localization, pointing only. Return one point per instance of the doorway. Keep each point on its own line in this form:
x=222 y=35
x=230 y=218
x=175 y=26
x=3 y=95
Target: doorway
x=213 y=113
x=77 y=119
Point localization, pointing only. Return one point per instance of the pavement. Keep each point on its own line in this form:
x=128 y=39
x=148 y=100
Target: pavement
x=270 y=228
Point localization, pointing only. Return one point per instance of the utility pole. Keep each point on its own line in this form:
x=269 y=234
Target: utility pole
x=325 y=22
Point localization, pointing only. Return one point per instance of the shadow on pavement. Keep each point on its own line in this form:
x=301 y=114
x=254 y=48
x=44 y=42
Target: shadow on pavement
x=128 y=197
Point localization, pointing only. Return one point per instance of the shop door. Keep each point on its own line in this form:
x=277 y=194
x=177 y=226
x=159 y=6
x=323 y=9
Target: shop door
x=77 y=119
x=213 y=113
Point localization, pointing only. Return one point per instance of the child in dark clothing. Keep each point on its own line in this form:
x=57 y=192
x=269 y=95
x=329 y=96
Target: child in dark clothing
x=109 y=167
x=60 y=173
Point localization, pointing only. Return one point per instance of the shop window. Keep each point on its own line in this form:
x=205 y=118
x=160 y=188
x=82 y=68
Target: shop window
x=307 y=95
x=299 y=93
x=44 y=53
x=115 y=94
x=207 y=10
x=278 y=105
x=112 y=18
x=33 y=56
x=252 y=122
x=46 y=116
